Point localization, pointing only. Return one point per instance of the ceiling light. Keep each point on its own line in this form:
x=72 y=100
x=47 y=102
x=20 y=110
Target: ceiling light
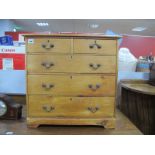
x=93 y=26
x=139 y=29
x=42 y=24
x=14 y=30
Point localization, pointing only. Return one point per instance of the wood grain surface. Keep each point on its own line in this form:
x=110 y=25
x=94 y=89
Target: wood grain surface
x=72 y=85
x=107 y=47
x=59 y=45
x=70 y=107
x=137 y=103
x=143 y=88
x=70 y=64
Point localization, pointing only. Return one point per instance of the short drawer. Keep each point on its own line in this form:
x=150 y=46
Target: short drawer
x=79 y=107
x=48 y=63
x=93 y=64
x=52 y=45
x=72 y=85
x=70 y=64
x=104 y=47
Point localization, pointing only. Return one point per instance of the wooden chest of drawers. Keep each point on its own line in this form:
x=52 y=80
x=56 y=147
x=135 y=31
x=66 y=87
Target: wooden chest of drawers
x=71 y=79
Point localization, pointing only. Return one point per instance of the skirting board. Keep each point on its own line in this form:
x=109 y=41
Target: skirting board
x=105 y=122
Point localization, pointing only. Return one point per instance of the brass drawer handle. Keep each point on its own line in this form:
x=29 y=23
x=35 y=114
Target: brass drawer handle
x=95 y=44
x=94 y=87
x=93 y=109
x=47 y=86
x=48 y=108
x=94 y=66
x=47 y=65
x=48 y=46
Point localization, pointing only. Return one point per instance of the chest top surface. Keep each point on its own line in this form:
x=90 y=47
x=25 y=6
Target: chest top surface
x=92 y=35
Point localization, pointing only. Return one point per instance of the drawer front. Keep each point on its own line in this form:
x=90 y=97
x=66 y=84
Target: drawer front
x=48 y=63
x=105 y=47
x=52 y=45
x=91 y=107
x=93 y=64
x=70 y=64
x=72 y=85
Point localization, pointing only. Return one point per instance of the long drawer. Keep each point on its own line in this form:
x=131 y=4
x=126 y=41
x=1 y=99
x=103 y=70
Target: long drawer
x=83 y=107
x=70 y=64
x=72 y=85
x=45 y=45
x=92 y=46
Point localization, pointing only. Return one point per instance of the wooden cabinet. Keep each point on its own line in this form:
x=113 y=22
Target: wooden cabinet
x=71 y=79
x=137 y=103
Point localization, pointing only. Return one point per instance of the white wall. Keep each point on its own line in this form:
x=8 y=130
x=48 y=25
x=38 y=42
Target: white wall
x=13 y=81
x=5 y=25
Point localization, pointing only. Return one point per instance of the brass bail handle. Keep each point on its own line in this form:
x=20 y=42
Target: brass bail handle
x=48 y=108
x=47 y=45
x=94 y=87
x=47 y=86
x=94 y=66
x=93 y=109
x=47 y=64
x=95 y=44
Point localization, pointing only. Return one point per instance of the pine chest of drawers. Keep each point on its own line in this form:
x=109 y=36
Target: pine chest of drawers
x=71 y=79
